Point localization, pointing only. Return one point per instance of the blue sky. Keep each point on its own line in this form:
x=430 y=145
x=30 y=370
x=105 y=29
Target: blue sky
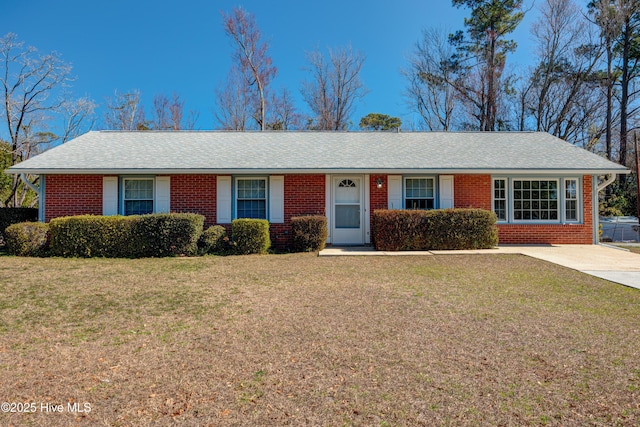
x=166 y=46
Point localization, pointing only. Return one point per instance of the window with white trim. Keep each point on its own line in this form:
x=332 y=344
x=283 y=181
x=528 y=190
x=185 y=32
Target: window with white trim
x=500 y=198
x=536 y=200
x=419 y=193
x=137 y=198
x=251 y=198
x=571 y=199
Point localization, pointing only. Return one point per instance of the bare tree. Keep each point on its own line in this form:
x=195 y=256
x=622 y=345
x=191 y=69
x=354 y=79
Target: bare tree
x=233 y=103
x=77 y=117
x=250 y=56
x=334 y=87
x=125 y=112
x=428 y=75
x=28 y=81
x=564 y=88
x=169 y=114
x=283 y=113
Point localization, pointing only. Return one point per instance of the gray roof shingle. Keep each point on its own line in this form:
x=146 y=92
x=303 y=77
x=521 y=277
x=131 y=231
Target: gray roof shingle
x=322 y=152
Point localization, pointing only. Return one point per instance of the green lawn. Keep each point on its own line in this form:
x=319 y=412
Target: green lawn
x=302 y=340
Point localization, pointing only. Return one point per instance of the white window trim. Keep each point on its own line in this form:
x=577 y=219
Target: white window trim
x=561 y=199
x=506 y=198
x=235 y=193
x=136 y=178
x=435 y=190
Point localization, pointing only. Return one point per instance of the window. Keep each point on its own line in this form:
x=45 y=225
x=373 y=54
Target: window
x=419 y=193
x=138 y=196
x=535 y=200
x=500 y=198
x=571 y=199
x=544 y=200
x=251 y=201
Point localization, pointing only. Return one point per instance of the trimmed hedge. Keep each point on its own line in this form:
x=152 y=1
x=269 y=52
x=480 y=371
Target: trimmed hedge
x=213 y=240
x=92 y=236
x=10 y=216
x=414 y=230
x=250 y=236
x=135 y=236
x=27 y=239
x=170 y=234
x=309 y=233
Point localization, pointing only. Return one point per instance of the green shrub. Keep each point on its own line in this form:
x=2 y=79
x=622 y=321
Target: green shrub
x=136 y=236
x=93 y=236
x=309 y=233
x=213 y=240
x=170 y=234
x=406 y=230
x=250 y=236
x=10 y=216
x=27 y=239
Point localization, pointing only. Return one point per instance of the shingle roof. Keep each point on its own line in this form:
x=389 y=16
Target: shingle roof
x=323 y=152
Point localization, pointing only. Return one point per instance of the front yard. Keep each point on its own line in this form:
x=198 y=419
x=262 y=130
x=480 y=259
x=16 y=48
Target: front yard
x=302 y=340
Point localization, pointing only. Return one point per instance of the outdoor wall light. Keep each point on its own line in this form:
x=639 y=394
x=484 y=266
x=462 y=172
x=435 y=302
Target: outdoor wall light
x=379 y=182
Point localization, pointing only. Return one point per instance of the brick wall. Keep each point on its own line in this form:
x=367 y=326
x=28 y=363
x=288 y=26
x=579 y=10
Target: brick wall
x=196 y=194
x=303 y=195
x=582 y=234
x=475 y=191
x=72 y=195
x=472 y=191
x=378 y=197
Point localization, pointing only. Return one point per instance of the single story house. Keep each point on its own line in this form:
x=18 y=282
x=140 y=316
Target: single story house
x=542 y=189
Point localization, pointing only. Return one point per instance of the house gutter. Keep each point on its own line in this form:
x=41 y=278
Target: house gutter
x=38 y=191
x=612 y=177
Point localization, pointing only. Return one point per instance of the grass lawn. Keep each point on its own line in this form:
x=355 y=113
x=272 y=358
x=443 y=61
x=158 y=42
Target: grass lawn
x=302 y=340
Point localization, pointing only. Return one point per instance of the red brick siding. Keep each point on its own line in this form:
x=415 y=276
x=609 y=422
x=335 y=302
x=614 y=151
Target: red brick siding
x=378 y=197
x=472 y=191
x=72 y=195
x=303 y=195
x=196 y=194
x=582 y=234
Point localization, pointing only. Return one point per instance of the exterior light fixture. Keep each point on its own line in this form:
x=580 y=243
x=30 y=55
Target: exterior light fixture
x=379 y=182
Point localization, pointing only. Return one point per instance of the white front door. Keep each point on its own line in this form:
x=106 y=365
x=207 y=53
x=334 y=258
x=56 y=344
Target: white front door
x=348 y=215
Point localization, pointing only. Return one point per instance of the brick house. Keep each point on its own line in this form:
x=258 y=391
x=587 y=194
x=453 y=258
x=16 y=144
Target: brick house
x=543 y=189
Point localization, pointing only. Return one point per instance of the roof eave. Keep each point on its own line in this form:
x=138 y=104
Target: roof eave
x=271 y=171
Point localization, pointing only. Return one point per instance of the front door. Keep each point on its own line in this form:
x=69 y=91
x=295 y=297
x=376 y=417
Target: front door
x=348 y=215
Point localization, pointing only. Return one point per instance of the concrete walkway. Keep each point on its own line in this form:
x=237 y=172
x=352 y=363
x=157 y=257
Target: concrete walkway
x=613 y=264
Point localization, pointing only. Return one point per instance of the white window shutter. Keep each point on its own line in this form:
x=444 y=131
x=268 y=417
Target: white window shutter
x=446 y=191
x=276 y=199
x=394 y=191
x=223 y=200
x=163 y=194
x=110 y=195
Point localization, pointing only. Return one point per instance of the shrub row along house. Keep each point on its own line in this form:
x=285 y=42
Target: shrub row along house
x=542 y=189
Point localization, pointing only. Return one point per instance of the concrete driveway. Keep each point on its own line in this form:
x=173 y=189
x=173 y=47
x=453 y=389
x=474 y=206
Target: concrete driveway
x=606 y=262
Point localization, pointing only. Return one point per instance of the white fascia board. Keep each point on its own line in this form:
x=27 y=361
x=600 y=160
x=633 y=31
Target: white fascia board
x=61 y=171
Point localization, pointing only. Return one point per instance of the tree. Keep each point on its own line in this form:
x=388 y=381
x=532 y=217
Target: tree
x=30 y=83
x=380 y=122
x=629 y=47
x=334 y=88
x=125 y=112
x=233 y=102
x=563 y=93
x=169 y=114
x=429 y=75
x=251 y=58
x=481 y=56
x=283 y=114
